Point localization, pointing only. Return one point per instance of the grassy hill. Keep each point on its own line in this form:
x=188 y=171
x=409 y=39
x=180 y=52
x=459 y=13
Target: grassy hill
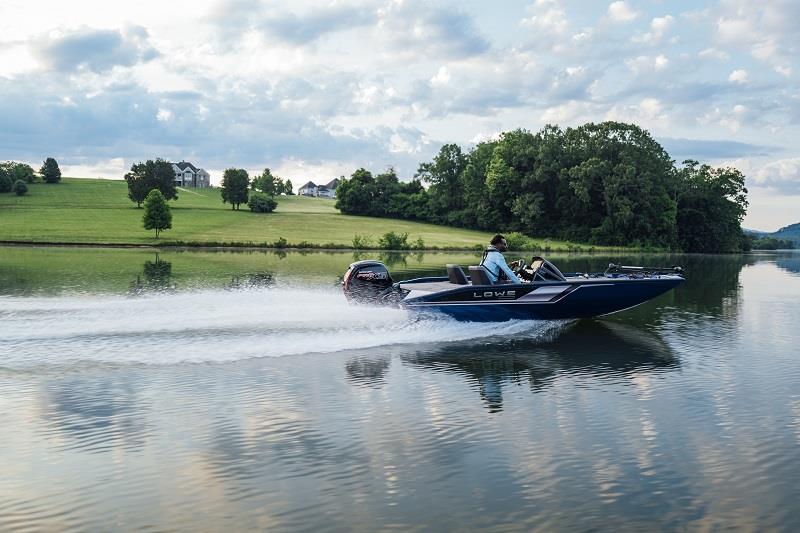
x=89 y=211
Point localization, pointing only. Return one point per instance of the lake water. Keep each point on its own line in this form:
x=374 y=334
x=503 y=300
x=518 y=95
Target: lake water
x=230 y=391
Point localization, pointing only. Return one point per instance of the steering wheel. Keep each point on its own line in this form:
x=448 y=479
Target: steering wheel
x=517 y=266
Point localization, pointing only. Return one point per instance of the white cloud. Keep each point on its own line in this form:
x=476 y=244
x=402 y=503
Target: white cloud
x=164 y=115
x=738 y=76
x=658 y=28
x=714 y=54
x=620 y=11
x=782 y=175
x=644 y=64
x=441 y=78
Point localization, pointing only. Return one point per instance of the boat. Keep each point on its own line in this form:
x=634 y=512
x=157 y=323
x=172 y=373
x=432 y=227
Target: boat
x=545 y=293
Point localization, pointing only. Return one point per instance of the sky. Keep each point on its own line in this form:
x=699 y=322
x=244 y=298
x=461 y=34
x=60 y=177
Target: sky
x=314 y=90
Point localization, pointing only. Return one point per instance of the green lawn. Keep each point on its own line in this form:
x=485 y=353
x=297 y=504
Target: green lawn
x=95 y=211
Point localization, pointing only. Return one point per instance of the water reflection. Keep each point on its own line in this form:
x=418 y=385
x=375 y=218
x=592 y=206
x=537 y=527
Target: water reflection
x=96 y=414
x=252 y=280
x=789 y=263
x=609 y=351
x=368 y=371
x=156 y=277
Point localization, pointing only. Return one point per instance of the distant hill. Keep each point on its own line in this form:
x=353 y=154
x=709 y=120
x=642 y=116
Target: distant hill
x=754 y=232
x=790 y=232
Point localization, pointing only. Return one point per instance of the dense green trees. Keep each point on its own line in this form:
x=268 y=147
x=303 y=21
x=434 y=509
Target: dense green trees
x=381 y=196
x=18 y=171
x=235 y=183
x=157 y=214
x=267 y=183
x=6 y=183
x=609 y=183
x=711 y=205
x=144 y=177
x=288 y=189
x=50 y=171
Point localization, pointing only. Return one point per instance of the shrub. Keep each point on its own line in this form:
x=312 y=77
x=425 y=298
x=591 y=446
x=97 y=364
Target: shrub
x=261 y=203
x=280 y=243
x=517 y=241
x=394 y=241
x=20 y=188
x=5 y=183
x=419 y=244
x=362 y=241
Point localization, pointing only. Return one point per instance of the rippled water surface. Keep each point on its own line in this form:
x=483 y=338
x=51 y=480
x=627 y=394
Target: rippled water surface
x=224 y=391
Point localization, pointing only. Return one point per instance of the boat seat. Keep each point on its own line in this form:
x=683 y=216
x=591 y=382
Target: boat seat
x=456 y=275
x=479 y=275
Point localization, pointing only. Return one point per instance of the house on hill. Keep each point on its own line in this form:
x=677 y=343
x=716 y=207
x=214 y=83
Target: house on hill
x=321 y=191
x=188 y=175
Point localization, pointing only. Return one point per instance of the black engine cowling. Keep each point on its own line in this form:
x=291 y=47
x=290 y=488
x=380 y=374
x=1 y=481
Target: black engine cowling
x=367 y=282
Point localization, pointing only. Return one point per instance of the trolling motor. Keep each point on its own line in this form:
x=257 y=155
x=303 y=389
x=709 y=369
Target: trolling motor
x=642 y=271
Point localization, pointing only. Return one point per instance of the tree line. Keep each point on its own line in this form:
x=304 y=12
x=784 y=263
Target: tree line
x=607 y=184
x=152 y=183
x=15 y=177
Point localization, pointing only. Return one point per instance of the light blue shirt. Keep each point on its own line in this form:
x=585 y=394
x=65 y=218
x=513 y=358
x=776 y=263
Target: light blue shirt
x=496 y=263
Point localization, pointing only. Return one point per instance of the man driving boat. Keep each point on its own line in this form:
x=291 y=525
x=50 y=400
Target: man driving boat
x=495 y=263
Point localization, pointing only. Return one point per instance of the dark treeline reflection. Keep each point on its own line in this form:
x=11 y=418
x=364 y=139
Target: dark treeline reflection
x=605 y=350
x=789 y=262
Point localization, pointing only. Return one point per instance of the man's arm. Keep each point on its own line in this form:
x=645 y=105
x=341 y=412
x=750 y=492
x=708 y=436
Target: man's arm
x=501 y=262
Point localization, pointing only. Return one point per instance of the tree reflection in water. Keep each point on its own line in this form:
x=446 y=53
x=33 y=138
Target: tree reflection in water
x=156 y=277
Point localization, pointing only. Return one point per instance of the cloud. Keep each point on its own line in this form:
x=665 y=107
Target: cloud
x=413 y=27
x=658 y=28
x=782 y=176
x=644 y=64
x=738 y=76
x=681 y=148
x=770 y=31
x=621 y=12
x=94 y=50
x=310 y=26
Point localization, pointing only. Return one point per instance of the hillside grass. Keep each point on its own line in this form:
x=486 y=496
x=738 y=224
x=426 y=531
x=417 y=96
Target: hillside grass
x=98 y=211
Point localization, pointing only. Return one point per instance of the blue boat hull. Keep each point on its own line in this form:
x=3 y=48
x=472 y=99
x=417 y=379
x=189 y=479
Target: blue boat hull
x=581 y=299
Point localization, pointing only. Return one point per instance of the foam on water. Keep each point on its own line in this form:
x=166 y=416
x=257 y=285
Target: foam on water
x=216 y=325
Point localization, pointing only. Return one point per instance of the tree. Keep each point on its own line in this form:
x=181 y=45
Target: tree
x=444 y=174
x=5 y=182
x=144 y=177
x=260 y=202
x=50 y=171
x=711 y=205
x=20 y=187
x=18 y=171
x=235 y=182
x=157 y=214
x=288 y=188
x=266 y=183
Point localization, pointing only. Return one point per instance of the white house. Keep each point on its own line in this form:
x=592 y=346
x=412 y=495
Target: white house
x=187 y=175
x=322 y=191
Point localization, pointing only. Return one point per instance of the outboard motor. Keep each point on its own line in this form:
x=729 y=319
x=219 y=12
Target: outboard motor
x=367 y=282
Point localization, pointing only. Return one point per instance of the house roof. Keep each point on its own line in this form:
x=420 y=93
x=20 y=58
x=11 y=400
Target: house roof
x=309 y=184
x=184 y=164
x=333 y=183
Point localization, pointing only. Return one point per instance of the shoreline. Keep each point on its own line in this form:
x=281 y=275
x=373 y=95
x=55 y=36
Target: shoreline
x=328 y=247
